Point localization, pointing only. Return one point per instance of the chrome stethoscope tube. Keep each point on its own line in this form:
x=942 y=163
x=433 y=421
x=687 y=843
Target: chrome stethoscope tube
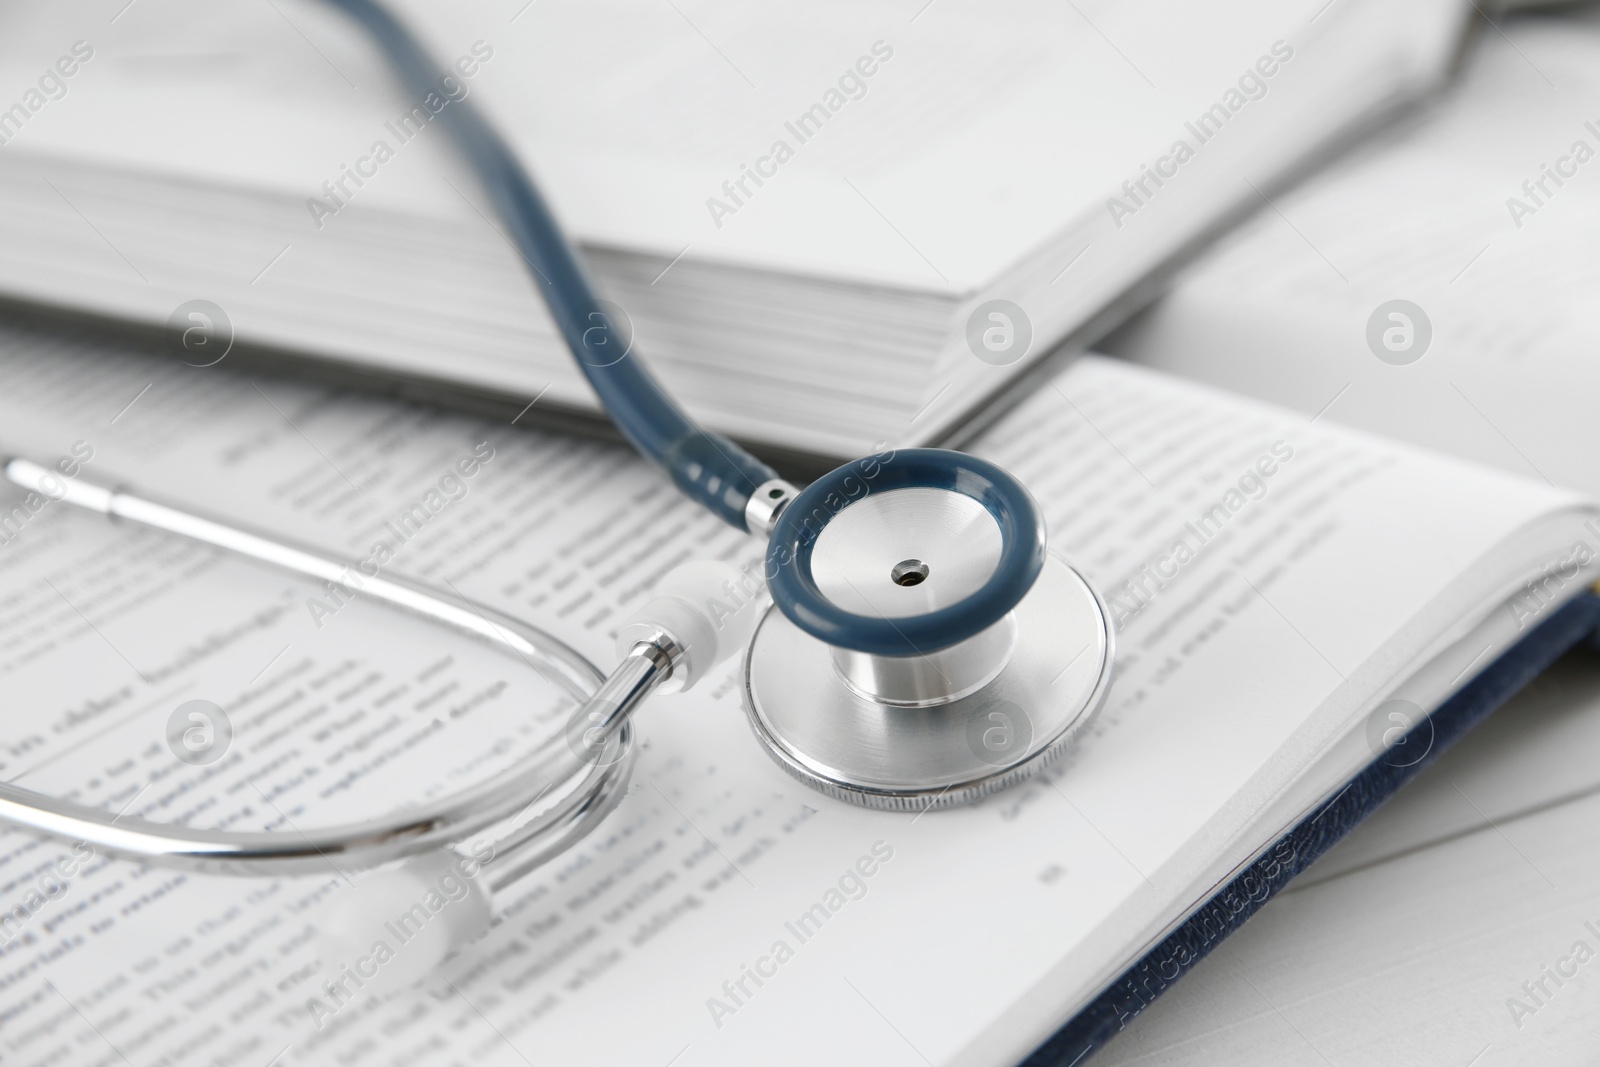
x=576 y=792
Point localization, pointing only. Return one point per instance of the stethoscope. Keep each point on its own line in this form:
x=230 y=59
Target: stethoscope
x=921 y=648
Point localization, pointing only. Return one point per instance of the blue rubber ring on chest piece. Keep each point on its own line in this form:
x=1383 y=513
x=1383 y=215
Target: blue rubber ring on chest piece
x=794 y=537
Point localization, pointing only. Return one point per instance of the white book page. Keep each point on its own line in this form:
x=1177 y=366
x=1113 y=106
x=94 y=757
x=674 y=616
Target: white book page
x=1434 y=213
x=638 y=945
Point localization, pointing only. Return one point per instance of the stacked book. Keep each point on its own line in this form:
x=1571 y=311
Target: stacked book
x=824 y=229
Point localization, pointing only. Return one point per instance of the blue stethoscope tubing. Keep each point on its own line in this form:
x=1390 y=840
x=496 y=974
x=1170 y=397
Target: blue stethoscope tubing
x=710 y=469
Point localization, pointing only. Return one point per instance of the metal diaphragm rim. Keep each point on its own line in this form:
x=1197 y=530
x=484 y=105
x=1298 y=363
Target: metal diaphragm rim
x=843 y=745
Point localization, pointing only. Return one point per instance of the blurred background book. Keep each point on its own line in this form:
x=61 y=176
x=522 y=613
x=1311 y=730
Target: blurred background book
x=1480 y=209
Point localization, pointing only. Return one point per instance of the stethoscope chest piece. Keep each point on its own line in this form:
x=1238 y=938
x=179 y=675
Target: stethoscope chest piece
x=926 y=727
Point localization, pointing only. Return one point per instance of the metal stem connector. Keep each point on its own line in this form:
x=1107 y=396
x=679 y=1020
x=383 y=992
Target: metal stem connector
x=646 y=666
x=761 y=510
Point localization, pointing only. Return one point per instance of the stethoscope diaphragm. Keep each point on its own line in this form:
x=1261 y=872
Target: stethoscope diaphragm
x=985 y=656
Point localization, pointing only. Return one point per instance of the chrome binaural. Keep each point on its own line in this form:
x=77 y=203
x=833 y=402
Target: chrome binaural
x=548 y=799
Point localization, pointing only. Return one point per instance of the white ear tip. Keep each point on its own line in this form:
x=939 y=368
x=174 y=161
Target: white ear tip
x=394 y=926
x=709 y=607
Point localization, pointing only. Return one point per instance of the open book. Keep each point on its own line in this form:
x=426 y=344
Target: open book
x=807 y=215
x=1289 y=597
